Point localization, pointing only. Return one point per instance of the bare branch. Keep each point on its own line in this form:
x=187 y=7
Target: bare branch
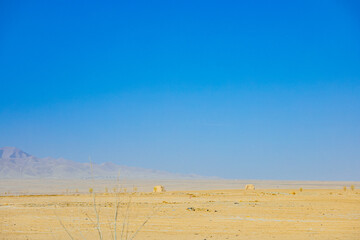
x=61 y=223
x=147 y=219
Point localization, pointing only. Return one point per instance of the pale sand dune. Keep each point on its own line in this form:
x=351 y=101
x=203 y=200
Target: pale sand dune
x=199 y=214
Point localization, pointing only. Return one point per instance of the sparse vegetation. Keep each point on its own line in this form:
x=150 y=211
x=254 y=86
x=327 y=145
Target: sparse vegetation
x=301 y=189
x=125 y=233
x=122 y=214
x=352 y=187
x=344 y=188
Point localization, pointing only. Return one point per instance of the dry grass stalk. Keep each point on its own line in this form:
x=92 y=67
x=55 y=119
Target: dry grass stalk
x=125 y=226
x=143 y=224
x=61 y=223
x=97 y=218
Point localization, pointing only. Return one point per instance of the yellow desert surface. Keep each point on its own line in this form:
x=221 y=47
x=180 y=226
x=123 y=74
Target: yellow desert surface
x=194 y=214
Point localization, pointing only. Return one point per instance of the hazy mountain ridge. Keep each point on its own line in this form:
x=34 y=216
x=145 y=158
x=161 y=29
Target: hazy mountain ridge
x=15 y=163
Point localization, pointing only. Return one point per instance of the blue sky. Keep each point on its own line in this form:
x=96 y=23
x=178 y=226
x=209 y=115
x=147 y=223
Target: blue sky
x=235 y=89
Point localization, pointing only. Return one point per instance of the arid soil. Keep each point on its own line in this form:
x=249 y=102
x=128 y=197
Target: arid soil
x=211 y=214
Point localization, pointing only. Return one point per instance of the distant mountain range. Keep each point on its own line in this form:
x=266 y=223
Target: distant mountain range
x=15 y=163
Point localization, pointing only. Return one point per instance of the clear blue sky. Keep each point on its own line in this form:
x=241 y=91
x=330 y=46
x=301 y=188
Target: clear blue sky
x=235 y=89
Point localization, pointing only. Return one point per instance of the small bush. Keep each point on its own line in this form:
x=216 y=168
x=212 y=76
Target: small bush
x=301 y=189
x=352 y=187
x=344 y=188
x=91 y=190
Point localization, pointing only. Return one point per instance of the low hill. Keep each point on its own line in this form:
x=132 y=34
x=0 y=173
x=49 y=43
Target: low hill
x=15 y=163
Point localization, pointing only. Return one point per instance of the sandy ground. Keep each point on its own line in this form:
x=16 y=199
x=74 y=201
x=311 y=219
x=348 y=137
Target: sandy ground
x=65 y=186
x=207 y=214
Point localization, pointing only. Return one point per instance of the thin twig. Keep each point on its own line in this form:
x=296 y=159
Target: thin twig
x=97 y=218
x=52 y=234
x=116 y=216
x=147 y=219
x=81 y=234
x=90 y=219
x=117 y=204
x=127 y=225
x=61 y=223
x=94 y=203
x=108 y=222
x=124 y=221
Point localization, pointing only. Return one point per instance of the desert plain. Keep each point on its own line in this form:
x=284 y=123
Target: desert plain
x=189 y=209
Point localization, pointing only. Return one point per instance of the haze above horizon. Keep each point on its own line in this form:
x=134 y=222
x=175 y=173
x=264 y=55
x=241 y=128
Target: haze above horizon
x=245 y=90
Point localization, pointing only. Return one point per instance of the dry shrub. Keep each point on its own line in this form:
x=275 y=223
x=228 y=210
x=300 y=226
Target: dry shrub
x=124 y=232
